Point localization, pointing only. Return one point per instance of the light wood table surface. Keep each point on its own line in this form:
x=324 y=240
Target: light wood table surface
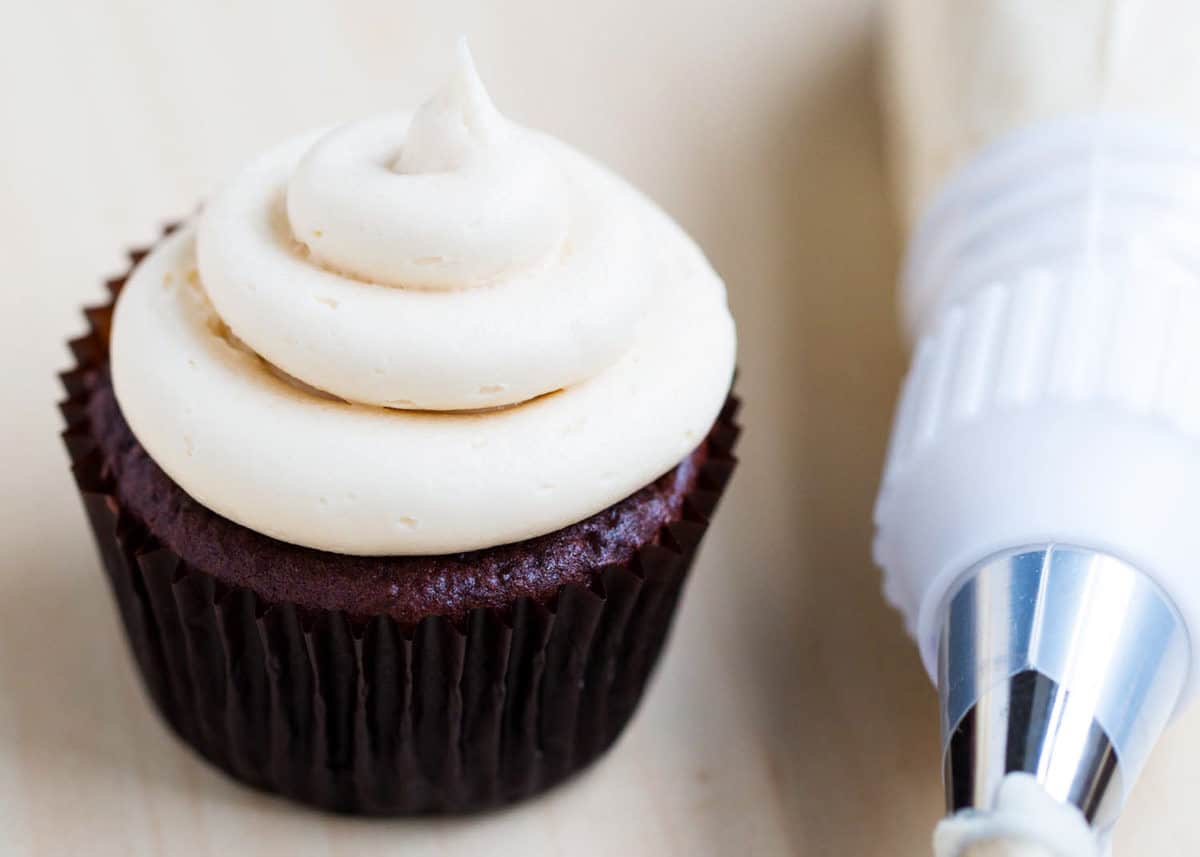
x=790 y=714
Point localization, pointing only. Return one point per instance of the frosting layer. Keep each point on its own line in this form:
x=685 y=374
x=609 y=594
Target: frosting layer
x=264 y=379
x=468 y=199
x=480 y=272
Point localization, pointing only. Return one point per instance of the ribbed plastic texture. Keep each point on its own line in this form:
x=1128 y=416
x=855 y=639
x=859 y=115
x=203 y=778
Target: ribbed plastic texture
x=1053 y=292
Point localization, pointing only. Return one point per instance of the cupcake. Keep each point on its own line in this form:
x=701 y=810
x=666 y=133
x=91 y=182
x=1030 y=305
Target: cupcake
x=398 y=454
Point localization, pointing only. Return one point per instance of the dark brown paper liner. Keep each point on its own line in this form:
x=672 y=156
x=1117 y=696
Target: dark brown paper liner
x=368 y=716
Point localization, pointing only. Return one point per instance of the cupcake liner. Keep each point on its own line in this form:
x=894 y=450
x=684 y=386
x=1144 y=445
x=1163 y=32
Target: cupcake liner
x=363 y=714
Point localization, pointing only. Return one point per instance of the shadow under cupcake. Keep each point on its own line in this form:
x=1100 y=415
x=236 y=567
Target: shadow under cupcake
x=438 y=607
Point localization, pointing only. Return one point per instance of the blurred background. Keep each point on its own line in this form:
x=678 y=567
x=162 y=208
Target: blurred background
x=790 y=715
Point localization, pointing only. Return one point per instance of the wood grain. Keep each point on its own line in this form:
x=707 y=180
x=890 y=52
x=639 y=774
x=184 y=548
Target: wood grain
x=791 y=715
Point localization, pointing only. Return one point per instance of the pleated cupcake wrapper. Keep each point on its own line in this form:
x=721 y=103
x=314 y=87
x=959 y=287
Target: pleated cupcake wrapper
x=363 y=714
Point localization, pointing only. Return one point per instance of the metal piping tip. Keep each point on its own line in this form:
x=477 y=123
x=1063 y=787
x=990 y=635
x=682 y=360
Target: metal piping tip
x=1062 y=662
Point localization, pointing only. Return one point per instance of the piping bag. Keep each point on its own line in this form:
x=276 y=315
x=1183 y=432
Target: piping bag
x=1038 y=521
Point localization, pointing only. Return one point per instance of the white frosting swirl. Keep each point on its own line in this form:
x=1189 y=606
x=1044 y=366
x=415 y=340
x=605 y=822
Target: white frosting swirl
x=470 y=199
x=284 y=359
x=482 y=277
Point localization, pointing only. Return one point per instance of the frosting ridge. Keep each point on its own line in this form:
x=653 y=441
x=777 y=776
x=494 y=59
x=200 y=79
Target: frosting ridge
x=468 y=199
x=478 y=276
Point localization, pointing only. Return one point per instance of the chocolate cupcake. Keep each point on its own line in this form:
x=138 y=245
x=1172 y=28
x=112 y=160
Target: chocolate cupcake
x=398 y=454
